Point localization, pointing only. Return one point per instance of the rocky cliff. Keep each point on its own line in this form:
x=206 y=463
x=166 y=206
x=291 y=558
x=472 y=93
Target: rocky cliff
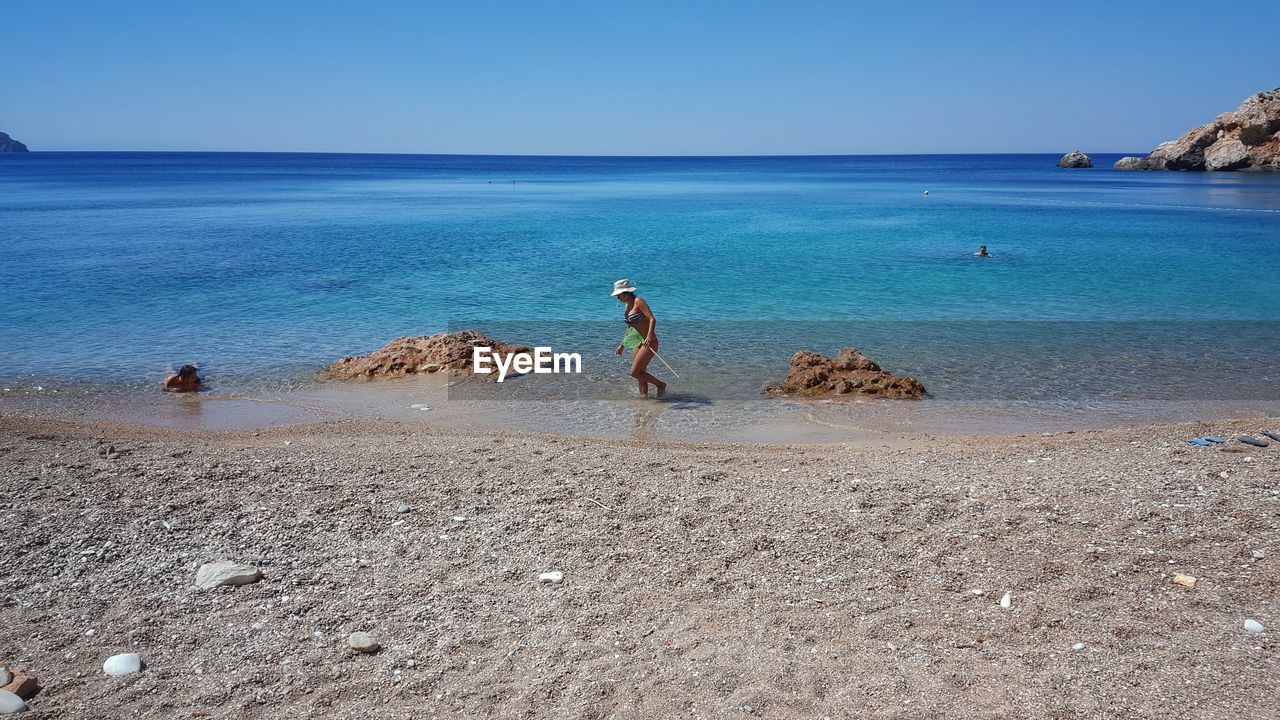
x=1246 y=139
x=8 y=144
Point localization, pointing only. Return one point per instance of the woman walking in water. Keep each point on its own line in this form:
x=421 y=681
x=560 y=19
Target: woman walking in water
x=639 y=318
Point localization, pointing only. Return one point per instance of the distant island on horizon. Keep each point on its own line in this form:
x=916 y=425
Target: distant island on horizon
x=8 y=144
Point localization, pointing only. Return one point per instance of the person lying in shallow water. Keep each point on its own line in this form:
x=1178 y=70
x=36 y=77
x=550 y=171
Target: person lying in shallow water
x=639 y=317
x=187 y=379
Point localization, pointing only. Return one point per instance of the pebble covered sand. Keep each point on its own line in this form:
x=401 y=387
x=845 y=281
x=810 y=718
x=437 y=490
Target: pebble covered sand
x=1024 y=577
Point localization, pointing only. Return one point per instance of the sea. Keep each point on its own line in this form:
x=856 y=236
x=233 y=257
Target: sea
x=1109 y=297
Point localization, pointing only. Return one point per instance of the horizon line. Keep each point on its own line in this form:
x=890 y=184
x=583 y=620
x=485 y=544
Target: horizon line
x=557 y=155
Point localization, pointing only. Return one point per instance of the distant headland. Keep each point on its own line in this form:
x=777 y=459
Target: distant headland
x=1246 y=139
x=8 y=144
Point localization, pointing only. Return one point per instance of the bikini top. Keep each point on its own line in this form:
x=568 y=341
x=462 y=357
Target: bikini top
x=633 y=318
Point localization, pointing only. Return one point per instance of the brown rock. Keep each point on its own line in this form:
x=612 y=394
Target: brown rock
x=849 y=373
x=424 y=354
x=1184 y=580
x=23 y=685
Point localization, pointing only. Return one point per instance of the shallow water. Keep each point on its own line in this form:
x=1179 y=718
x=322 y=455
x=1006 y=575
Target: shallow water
x=1110 y=296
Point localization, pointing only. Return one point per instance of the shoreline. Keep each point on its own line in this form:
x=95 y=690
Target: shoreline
x=687 y=416
x=795 y=580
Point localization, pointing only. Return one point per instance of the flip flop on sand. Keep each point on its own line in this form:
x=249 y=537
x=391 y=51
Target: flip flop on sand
x=1214 y=439
x=1198 y=441
x=1252 y=441
x=1273 y=436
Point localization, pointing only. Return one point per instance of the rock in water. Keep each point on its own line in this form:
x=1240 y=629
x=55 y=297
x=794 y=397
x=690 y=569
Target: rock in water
x=1223 y=144
x=8 y=144
x=10 y=704
x=363 y=642
x=1139 y=163
x=122 y=664
x=423 y=354
x=1253 y=626
x=226 y=572
x=1075 y=159
x=849 y=373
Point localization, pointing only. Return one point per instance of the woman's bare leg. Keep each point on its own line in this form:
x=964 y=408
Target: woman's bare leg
x=639 y=365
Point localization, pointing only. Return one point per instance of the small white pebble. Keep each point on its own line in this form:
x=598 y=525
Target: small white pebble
x=1253 y=626
x=1007 y=601
x=1078 y=646
x=554 y=577
x=977 y=591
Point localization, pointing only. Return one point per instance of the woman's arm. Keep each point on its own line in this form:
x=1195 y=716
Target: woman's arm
x=653 y=322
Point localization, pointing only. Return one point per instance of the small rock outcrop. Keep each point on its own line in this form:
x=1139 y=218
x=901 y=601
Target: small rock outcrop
x=8 y=144
x=849 y=373
x=413 y=355
x=1132 y=163
x=1075 y=159
x=226 y=572
x=1246 y=139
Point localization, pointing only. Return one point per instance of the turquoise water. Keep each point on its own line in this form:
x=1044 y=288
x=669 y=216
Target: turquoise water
x=263 y=268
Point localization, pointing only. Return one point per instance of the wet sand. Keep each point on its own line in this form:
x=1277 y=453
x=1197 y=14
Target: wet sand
x=700 y=580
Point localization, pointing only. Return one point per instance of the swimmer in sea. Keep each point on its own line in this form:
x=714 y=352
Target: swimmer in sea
x=187 y=379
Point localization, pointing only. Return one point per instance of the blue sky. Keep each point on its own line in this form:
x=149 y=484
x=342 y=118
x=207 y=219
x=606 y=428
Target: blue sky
x=560 y=77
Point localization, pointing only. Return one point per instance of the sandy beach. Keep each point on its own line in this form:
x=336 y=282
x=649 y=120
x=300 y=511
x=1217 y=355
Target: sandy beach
x=700 y=580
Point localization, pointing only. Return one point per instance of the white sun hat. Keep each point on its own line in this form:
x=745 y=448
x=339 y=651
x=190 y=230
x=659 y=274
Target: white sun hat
x=623 y=285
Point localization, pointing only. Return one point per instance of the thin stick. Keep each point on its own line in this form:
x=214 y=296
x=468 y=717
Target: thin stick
x=664 y=362
x=606 y=507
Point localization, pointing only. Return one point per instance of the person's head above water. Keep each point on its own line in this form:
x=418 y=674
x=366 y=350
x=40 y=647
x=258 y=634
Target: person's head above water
x=187 y=371
x=982 y=250
x=623 y=289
